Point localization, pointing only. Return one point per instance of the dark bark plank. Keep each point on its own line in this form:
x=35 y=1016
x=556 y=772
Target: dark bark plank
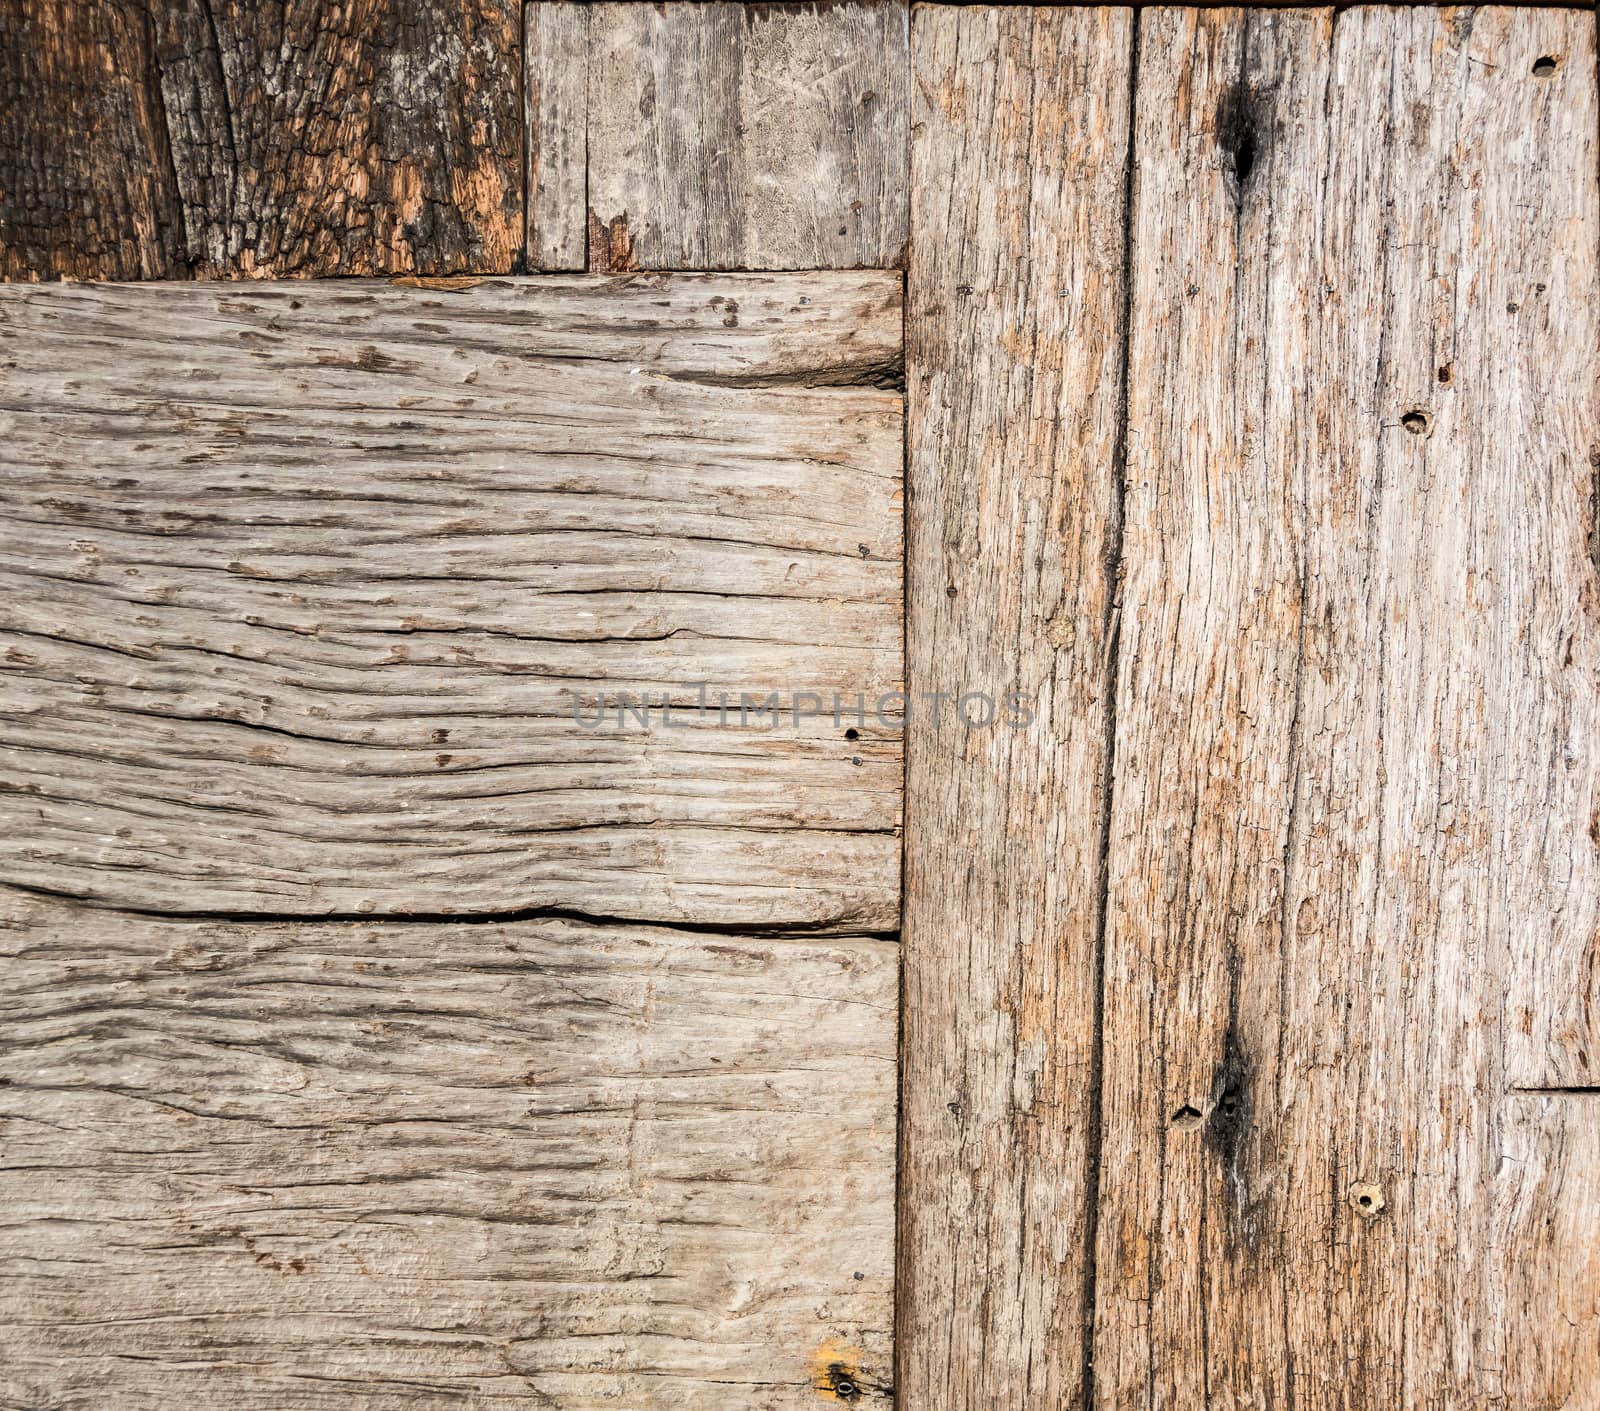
x=87 y=188
x=309 y=1167
x=228 y=138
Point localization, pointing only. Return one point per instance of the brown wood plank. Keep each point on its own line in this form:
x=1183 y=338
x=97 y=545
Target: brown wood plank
x=1546 y=1257
x=262 y=140
x=1014 y=361
x=729 y=136
x=1354 y=775
x=313 y=593
x=87 y=188
x=296 y=1167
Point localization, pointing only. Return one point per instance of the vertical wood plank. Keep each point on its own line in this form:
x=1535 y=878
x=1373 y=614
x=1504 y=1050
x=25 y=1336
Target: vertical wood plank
x=1014 y=358
x=727 y=136
x=556 y=96
x=1350 y=850
x=1225 y=402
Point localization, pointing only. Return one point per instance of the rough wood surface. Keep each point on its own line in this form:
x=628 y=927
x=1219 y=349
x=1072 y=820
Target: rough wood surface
x=556 y=89
x=311 y=593
x=279 y=1168
x=729 y=136
x=1352 y=863
x=86 y=186
x=1014 y=385
x=232 y=138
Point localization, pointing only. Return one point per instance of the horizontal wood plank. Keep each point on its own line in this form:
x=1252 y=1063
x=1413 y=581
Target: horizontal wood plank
x=296 y=1167
x=313 y=595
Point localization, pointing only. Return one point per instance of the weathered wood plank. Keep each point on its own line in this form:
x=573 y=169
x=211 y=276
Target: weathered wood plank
x=729 y=136
x=1546 y=1256
x=86 y=186
x=556 y=88
x=1356 y=707
x=312 y=593
x=262 y=140
x=401 y=1166
x=1013 y=379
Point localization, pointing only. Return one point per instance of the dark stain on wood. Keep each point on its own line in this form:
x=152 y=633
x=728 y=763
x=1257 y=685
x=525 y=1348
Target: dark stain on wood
x=1229 y=1121
x=1243 y=123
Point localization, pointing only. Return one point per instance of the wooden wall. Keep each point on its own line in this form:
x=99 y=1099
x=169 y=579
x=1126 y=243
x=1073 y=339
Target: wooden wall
x=1248 y=1048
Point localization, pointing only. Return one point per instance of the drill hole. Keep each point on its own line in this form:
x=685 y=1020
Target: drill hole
x=1545 y=65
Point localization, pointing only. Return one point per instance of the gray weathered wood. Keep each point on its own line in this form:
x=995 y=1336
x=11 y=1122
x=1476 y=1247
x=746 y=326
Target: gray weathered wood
x=556 y=95
x=1014 y=383
x=303 y=585
x=727 y=136
x=295 y=1167
x=1352 y=863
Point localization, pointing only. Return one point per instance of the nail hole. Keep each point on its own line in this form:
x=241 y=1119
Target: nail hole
x=842 y=1383
x=1366 y=1200
x=852 y=733
x=1545 y=65
x=1416 y=422
x=1186 y=1117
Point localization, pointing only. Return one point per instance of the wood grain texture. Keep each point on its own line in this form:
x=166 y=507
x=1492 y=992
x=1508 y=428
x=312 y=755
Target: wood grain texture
x=293 y=1167
x=225 y=138
x=729 y=136
x=1014 y=351
x=86 y=186
x=312 y=593
x=1546 y=1258
x=1351 y=860
x=556 y=89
